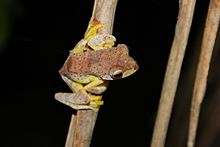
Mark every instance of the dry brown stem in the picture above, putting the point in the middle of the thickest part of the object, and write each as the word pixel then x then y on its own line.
pixel 70 135
pixel 186 10
pixel 209 36
pixel 82 125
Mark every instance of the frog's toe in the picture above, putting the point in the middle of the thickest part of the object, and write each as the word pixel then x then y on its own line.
pixel 95 101
pixel 95 98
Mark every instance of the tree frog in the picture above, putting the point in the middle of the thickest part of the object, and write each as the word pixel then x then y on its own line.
pixel 89 67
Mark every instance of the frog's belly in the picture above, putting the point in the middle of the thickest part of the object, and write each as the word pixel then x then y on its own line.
pixel 83 79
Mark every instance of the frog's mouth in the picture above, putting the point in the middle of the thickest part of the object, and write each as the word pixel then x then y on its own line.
pixel 119 74
pixel 129 72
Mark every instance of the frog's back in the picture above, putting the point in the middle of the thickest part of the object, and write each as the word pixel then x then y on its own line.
pixel 76 64
pixel 98 63
pixel 89 63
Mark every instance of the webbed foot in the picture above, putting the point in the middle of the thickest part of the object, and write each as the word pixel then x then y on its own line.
pixel 78 103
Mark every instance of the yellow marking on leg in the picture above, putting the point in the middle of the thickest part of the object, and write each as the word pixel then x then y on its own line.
pixel 90 32
pixel 95 102
pixel 98 103
pixel 96 98
pixel 101 41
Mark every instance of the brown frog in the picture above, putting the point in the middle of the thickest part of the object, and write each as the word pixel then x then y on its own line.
pixel 90 71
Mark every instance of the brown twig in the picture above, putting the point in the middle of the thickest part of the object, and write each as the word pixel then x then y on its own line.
pixel 186 10
pixel 70 135
pixel 209 36
pixel 82 125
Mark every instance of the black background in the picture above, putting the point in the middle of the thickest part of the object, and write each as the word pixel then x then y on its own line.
pixel 41 33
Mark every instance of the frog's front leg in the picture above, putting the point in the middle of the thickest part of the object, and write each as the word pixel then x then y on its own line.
pixel 80 99
pixel 96 86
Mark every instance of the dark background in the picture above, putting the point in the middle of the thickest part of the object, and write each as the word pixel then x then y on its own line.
pixel 36 37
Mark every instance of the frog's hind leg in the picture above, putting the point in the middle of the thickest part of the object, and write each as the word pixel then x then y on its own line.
pixel 92 29
pixel 96 40
pixel 72 100
pixel 79 99
pixel 79 95
pixel 102 41
pixel 74 86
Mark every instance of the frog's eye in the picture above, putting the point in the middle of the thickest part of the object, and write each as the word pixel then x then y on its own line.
pixel 117 74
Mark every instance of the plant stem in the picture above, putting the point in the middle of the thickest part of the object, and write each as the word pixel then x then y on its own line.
pixel 82 125
pixel 70 135
pixel 186 10
pixel 209 36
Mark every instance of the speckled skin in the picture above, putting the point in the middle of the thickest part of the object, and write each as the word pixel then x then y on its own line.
pixel 99 63
pixel 90 66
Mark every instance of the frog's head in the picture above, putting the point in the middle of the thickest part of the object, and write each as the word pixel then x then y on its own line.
pixel 123 65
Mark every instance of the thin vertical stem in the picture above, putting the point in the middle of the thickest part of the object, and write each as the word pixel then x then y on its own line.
pixel 70 135
pixel 84 121
pixel 186 10
pixel 209 36
pixel 84 126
